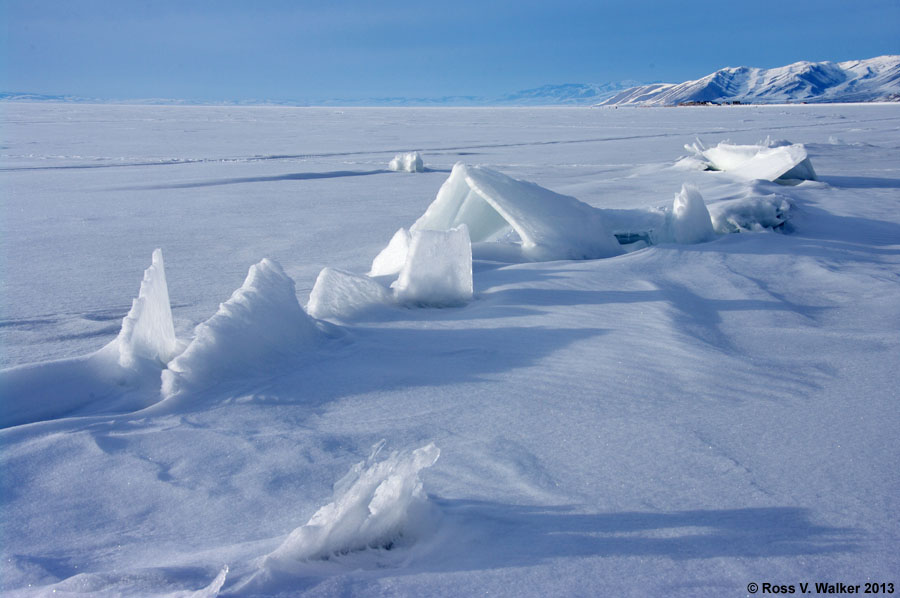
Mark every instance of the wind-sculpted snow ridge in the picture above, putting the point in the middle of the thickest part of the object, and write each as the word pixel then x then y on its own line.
pixel 379 505
pixel 119 377
pixel 260 324
pixel 408 162
pixel 769 160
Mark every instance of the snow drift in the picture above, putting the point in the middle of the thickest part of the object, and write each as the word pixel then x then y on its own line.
pixel 769 160
pixel 261 323
pixel 408 162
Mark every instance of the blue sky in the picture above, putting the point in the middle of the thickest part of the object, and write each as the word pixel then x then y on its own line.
pixel 298 50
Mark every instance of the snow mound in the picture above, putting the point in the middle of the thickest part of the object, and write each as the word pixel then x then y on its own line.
pixel 769 160
pixel 526 221
pixel 408 162
pixel 438 269
pixel 340 295
pixel 391 259
pixel 689 220
pixel 377 504
pixel 262 322
pixel 148 331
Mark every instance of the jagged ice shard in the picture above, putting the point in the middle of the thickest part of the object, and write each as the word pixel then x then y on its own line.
pixel 375 504
pixel 513 220
pixel 689 220
pixel 148 331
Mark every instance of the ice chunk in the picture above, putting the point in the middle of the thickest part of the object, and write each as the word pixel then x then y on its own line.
pixel 690 221
pixel 438 268
pixel 339 295
pixel 409 162
pixel 391 259
pixel 751 213
pixel 535 223
pixel 148 331
pixel 769 160
pixel 376 505
pixel 262 322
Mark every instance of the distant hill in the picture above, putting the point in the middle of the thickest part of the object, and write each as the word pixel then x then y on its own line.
pixel 872 80
pixel 569 94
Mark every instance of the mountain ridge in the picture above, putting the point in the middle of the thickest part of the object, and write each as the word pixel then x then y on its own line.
pixel 871 80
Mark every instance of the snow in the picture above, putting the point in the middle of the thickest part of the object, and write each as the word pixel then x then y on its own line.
pixel 670 420
pixel 438 269
pixel 871 80
pixel 407 162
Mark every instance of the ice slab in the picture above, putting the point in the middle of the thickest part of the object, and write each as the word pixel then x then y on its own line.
pixel 260 324
pixel 769 160
pixel 148 331
pixel 531 223
pixel 408 162
pixel 340 295
pixel 438 269
pixel 391 259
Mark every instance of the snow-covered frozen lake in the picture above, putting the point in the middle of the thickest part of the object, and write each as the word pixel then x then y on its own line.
pixel 678 420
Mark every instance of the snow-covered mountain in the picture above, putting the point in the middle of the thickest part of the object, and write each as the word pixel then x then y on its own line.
pixel 872 80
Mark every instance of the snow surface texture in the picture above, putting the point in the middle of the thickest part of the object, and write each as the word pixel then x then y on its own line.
pixel 261 324
pixel 408 162
pixel 677 420
pixel 874 79
pixel 377 505
pixel 769 160
pixel 438 269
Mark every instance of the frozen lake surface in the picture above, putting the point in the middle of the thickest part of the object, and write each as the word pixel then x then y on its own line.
pixel 678 420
